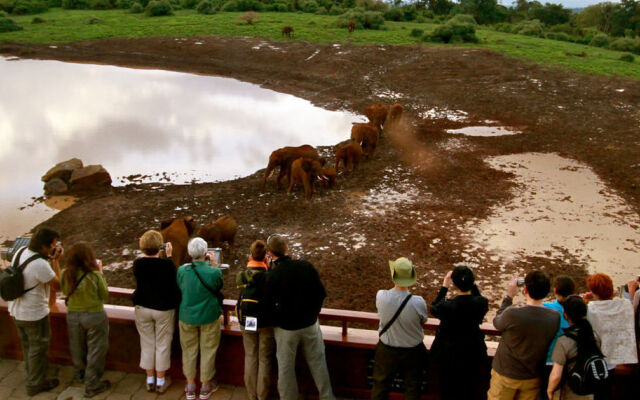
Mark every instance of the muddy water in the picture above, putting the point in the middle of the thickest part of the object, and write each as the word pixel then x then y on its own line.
pixel 561 208
pixel 485 131
pixel 146 122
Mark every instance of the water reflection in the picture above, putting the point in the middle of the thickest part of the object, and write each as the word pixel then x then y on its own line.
pixel 140 121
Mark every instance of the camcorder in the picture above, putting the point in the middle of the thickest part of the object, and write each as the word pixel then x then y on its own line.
pixel 520 282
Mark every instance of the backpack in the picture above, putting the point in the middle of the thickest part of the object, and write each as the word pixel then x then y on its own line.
pixel 590 372
pixel 249 301
pixel 12 279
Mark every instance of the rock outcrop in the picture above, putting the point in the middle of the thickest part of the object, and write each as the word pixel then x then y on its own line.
pixel 62 170
pixel 72 176
pixel 55 187
pixel 89 177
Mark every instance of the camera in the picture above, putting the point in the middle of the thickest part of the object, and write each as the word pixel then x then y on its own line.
pixel 163 246
pixel 520 282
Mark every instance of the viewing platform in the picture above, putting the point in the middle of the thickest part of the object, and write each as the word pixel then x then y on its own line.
pixel 350 338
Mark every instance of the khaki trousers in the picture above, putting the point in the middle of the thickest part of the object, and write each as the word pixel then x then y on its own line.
pixel 259 349
pixel 156 333
pixel 206 338
pixel 503 388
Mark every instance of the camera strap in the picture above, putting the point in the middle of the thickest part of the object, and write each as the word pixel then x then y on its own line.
pixel 66 299
pixel 395 316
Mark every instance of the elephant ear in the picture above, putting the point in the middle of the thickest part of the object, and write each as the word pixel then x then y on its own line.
pixel 166 222
pixel 306 164
pixel 190 224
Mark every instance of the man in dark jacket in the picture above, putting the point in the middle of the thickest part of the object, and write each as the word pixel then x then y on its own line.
pixel 295 293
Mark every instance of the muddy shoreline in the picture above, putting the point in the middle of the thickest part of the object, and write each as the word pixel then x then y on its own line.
pixel 350 233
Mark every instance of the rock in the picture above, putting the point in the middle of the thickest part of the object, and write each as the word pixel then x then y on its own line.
pixel 55 186
pixel 90 177
pixel 62 170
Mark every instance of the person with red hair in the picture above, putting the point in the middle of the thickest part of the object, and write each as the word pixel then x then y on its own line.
pixel 612 322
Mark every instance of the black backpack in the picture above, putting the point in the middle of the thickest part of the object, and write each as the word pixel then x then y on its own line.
pixel 12 279
pixel 249 302
pixel 590 372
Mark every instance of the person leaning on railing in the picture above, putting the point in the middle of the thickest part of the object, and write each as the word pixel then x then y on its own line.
pixel 86 289
pixel 634 296
pixel 612 321
pixel 30 311
pixel 155 299
pixel 200 310
pixel 459 350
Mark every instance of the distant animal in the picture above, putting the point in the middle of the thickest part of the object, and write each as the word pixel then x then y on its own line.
pixel 305 170
pixel 224 229
pixel 351 25
pixel 395 113
pixel 287 31
pixel 330 176
pixel 178 231
pixel 377 114
pixel 349 154
pixel 283 158
pixel 360 130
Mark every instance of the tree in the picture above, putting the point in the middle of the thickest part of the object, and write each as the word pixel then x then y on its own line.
pixel 484 11
pixel 440 7
pixel 552 14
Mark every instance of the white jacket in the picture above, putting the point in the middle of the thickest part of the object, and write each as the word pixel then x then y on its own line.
pixel 612 321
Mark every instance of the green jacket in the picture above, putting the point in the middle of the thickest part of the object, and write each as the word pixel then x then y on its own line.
pixel 90 295
pixel 199 306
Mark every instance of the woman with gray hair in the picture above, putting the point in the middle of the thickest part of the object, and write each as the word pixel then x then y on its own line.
pixel 199 323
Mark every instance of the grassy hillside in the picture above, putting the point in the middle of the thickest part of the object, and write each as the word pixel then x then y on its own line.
pixel 63 26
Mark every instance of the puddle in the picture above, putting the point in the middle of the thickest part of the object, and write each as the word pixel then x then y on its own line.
pixel 485 131
pixel 60 202
pixel 444 113
pixel 151 123
pixel 560 207
pixel 384 199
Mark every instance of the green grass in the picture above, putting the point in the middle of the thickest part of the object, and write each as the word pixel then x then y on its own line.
pixel 63 26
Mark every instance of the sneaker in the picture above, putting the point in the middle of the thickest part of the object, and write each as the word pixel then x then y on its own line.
pixel 151 387
pixel 163 388
pixel 207 390
pixel 43 387
pixel 190 392
pixel 104 386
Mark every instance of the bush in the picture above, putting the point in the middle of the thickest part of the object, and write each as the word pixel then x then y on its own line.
pixel 600 40
pixel 363 19
pixel 627 58
pixel 94 21
pixel 8 25
pixel 124 4
pixel 529 28
pixel 250 5
pixel 76 4
pixel 158 8
pixel 336 10
pixel 309 6
pixel 136 8
pixel 394 14
pixel 373 5
pixel 230 6
pixel 3 14
pixel 54 3
pixel 38 20
pixel 415 32
pixel 24 7
pixel 205 7
pixel 453 32
pixel 250 17
pixel 626 44
pixel 558 36
pixel 100 5
pixel 463 19
pixel 189 3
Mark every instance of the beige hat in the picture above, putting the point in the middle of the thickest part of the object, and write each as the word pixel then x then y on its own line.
pixel 402 272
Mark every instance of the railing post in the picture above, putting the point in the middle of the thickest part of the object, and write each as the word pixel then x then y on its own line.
pixel 344 328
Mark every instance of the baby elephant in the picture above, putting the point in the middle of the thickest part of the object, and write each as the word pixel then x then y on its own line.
pixel 287 31
pixel 306 171
pixel 349 154
pixel 222 230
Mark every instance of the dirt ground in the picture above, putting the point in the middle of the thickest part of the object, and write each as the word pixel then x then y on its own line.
pixel 416 194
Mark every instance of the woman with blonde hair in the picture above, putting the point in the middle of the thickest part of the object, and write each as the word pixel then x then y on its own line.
pixel 155 299
pixel 86 290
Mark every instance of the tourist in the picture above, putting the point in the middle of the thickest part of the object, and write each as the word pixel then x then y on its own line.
pixel 400 346
pixel 634 297
pixel 295 294
pixel 30 312
pixel 527 332
pixel 155 299
pixel 86 289
pixel 612 321
pixel 200 310
pixel 459 349
pixel 256 324
pixel 563 287
pixel 579 335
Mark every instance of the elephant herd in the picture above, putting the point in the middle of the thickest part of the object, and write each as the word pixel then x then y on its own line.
pixel 304 165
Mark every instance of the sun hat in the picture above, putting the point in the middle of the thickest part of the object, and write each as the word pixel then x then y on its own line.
pixel 402 272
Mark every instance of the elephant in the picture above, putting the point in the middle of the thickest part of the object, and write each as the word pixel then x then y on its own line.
pixel 287 31
pixel 395 113
pixel 284 157
pixel 369 142
pixel 222 230
pixel 350 154
pixel 360 130
pixel 306 171
pixel 331 176
pixel 377 114
pixel 177 231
